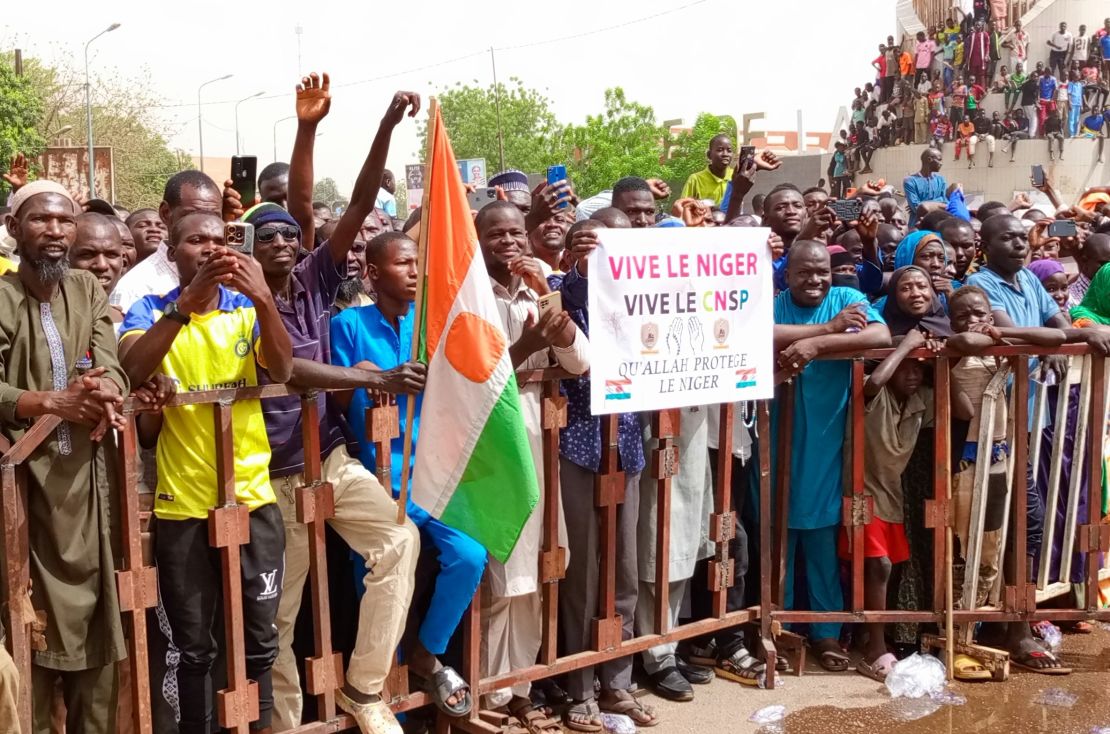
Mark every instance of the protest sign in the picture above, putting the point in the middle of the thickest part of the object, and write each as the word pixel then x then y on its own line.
pixel 680 317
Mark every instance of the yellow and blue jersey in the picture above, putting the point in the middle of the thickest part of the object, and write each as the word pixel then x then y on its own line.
pixel 216 350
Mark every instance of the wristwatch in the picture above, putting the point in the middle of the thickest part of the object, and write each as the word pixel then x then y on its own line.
pixel 172 313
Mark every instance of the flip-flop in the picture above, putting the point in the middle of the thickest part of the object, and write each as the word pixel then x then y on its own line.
pixel 830 656
pixel 630 706
pixel 1021 661
pixel 879 669
pixel 967 668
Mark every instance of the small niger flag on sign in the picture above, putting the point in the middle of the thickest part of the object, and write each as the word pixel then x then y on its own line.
pixel 474 468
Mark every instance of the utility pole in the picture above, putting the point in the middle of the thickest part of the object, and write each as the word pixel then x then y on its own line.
pixel 497 104
pixel 299 31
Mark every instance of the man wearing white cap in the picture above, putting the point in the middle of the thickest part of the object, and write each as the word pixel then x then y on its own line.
pixel 58 357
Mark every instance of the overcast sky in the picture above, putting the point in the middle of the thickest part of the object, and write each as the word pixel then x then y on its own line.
pixel 679 56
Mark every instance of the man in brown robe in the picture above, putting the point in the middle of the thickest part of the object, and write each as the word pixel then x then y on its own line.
pixel 58 357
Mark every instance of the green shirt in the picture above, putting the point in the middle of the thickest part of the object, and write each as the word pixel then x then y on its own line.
pixel 707 185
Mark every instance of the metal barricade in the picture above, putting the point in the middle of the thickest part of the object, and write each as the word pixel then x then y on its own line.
pixel 237 704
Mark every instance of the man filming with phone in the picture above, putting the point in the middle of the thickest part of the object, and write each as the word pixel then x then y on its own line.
pixel 364 514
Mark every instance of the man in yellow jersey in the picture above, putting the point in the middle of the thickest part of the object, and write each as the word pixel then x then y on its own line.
pixel 205 336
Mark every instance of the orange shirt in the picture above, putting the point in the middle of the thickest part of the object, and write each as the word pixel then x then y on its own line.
pixel 905 63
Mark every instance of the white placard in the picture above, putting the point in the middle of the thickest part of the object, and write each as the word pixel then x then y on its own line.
pixel 680 317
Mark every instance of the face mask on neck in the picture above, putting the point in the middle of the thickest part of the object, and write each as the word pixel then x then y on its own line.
pixel 845 281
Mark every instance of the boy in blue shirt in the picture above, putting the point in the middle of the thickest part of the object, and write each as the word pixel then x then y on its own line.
pixel 380 336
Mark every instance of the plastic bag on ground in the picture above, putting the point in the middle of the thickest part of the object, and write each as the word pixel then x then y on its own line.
pixel 769 714
pixel 1051 635
pixel 1056 697
pixel 948 697
pixel 618 724
pixel 1101 730
pixel 916 676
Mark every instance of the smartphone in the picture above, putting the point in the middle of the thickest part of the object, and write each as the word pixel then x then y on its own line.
pixel 551 302
pixel 239 236
pixel 480 197
pixel 1037 174
pixel 244 173
pixel 746 151
pixel 555 174
pixel 1062 228
pixel 846 210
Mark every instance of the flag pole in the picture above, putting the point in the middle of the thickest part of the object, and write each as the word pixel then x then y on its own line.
pixel 418 312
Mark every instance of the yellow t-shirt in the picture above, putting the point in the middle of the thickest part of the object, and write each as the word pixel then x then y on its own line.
pixel 706 185
pixel 216 350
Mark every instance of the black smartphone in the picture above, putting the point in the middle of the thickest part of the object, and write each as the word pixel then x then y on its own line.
pixel 1062 228
pixel 1037 174
pixel 746 151
pixel 244 173
pixel 846 210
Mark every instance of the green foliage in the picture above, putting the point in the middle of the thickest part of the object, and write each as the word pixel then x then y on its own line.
pixel 687 152
pixel 122 118
pixel 470 114
pixel 20 112
pixel 624 140
pixel 326 190
pixel 401 194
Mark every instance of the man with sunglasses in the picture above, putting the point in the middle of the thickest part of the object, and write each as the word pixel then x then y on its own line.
pixel 364 513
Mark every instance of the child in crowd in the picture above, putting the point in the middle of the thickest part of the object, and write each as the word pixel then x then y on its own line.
pixel 898 406
pixel 965 132
pixel 1052 276
pixel 939 129
pixel 974 330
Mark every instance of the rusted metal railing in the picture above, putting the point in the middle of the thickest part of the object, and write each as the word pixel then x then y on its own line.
pixel 238 703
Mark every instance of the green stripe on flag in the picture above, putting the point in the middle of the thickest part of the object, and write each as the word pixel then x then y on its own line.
pixel 498 490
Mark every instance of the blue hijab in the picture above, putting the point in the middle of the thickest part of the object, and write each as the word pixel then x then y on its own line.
pixel 910 245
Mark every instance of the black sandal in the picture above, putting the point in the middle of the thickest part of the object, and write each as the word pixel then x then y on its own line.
pixel 446 682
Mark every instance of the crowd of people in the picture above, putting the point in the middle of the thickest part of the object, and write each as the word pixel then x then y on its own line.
pixel 103 303
pixel 933 88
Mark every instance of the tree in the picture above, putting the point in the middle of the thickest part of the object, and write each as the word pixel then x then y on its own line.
pixel 401 194
pixel 122 118
pixel 624 140
pixel 530 129
pixel 20 111
pixel 326 190
pixel 687 151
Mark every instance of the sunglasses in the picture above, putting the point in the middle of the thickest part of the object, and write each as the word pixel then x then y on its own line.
pixel 288 233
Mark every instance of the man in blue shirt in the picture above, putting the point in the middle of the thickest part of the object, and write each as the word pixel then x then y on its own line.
pixel 380 336
pixel 927 184
pixel 813 317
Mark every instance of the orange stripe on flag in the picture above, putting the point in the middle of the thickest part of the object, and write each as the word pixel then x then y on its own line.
pixel 453 241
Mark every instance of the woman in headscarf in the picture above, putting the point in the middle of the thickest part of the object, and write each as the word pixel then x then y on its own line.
pixel 1053 278
pixel 912 303
pixel 925 249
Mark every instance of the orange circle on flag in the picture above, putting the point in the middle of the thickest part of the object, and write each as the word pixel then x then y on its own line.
pixel 474 346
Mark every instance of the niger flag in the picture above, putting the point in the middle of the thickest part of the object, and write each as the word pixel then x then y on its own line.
pixel 474 468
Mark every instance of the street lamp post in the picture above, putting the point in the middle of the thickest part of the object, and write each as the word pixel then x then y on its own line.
pixel 88 109
pixel 244 99
pixel 200 116
pixel 291 117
